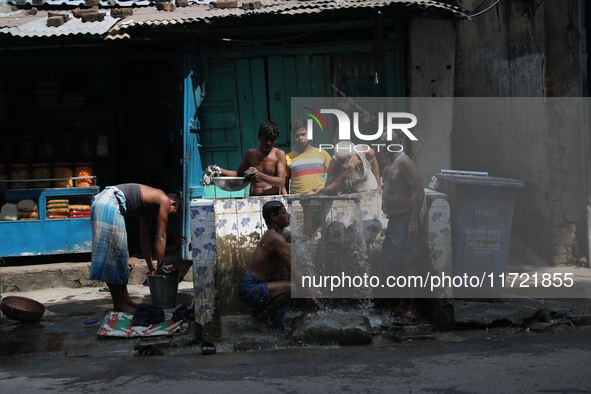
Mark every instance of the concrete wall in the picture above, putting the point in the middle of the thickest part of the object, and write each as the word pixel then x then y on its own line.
pixel 431 66
pixel 225 233
pixel 518 49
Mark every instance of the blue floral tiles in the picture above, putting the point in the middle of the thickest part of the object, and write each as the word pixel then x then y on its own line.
pixel 242 218
pixel 203 242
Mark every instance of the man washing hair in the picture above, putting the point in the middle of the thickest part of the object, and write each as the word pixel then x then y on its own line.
pixel 353 169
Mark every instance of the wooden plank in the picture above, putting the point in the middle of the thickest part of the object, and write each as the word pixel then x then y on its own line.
pixel 317 76
pixel 221 89
pixel 248 130
pixel 318 85
pixel 220 146
pixel 390 77
pixel 213 94
pixel 366 46
pixel 259 100
pixel 290 85
pixel 303 75
pixel 308 27
pixel 400 72
pixel 278 101
pixel 229 133
pixel 328 137
pixel 220 120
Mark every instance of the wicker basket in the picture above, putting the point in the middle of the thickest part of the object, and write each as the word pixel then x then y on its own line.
pixel 22 308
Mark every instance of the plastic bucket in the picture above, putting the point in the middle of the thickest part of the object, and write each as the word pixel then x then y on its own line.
pixel 163 289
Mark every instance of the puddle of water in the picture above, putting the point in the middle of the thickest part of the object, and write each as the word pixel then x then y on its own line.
pixel 42 343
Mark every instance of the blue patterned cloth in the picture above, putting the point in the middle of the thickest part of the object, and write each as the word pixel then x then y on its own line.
pixel 399 251
pixel 110 254
pixel 253 292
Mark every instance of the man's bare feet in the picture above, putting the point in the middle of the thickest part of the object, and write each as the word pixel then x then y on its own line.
pixel 261 323
pixel 412 314
pixel 126 309
pixel 133 304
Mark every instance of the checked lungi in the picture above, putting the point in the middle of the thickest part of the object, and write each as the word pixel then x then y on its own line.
pixel 399 251
pixel 110 253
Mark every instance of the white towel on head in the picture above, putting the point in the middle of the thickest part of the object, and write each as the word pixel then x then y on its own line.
pixel 344 149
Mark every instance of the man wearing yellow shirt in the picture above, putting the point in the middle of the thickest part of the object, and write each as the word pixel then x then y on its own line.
pixel 306 165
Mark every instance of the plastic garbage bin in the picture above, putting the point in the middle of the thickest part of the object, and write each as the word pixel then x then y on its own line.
pixel 481 209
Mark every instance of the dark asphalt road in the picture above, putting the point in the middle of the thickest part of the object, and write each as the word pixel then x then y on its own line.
pixel 548 363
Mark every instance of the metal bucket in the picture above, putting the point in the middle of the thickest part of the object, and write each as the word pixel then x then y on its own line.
pixel 163 289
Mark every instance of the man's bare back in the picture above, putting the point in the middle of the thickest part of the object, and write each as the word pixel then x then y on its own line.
pixel 398 192
pixel 271 254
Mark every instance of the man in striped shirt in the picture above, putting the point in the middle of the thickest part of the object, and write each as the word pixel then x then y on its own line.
pixel 306 164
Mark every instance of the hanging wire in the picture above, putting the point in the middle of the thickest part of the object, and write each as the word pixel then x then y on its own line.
pixel 475 9
pixel 572 35
pixel 483 11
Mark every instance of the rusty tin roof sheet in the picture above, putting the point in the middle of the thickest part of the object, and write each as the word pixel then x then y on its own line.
pixel 208 13
pixel 21 25
pixel 36 26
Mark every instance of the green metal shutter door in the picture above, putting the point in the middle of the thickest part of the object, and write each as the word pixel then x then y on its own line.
pixel 242 93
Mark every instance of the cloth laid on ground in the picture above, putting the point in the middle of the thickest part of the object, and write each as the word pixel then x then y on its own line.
pixel 147 314
pixel 210 172
pixel 118 325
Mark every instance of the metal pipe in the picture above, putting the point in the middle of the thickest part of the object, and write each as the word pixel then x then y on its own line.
pixel 585 128
pixel 353 197
pixel 467 173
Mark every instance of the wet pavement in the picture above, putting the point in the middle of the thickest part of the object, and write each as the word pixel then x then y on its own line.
pixel 59 354
pixel 471 362
pixel 62 332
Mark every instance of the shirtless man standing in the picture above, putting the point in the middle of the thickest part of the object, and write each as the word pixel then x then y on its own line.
pixel 266 162
pixel 402 200
pixel 260 287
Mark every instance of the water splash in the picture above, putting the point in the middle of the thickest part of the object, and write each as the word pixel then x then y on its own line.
pixel 337 247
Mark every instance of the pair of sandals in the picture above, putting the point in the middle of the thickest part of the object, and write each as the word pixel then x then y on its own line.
pixel 207 348
pixel 149 350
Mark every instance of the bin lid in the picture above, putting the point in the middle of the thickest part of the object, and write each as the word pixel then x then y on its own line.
pixel 481 180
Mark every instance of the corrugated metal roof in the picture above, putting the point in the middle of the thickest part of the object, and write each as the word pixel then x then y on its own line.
pixel 199 13
pixel 102 3
pixel 36 26
pixel 21 25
